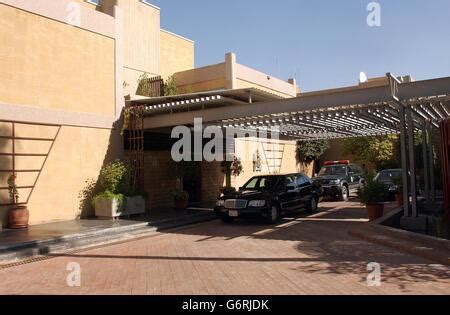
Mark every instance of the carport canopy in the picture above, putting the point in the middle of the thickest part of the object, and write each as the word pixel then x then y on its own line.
pixel 328 114
pixel 395 108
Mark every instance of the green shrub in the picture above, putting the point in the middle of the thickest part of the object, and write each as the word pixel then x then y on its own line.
pixel 112 181
pixel 308 151
pixel 113 177
pixel 373 191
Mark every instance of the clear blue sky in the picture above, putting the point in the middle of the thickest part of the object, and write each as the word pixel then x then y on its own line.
pixel 322 43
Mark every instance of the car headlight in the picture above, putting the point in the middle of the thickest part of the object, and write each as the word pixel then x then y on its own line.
pixel 220 203
pixel 257 203
pixel 335 181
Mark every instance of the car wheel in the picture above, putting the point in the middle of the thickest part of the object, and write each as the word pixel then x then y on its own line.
pixel 344 193
pixel 226 219
pixel 312 205
pixel 274 215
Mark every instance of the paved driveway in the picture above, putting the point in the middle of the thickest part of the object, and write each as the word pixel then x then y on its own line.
pixel 301 255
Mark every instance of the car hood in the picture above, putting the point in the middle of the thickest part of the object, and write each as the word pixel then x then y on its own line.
pixel 246 194
pixel 327 177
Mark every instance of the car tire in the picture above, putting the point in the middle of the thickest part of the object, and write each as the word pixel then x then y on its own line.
pixel 274 215
pixel 312 205
pixel 344 193
pixel 226 219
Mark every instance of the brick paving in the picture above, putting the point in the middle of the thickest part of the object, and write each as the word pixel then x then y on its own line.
pixel 301 255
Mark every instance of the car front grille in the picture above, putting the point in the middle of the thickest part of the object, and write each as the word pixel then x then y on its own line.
pixel 235 204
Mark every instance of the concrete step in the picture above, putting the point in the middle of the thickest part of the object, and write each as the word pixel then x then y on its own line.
pixel 16 252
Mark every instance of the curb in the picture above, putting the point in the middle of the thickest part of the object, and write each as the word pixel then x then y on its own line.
pixel 400 239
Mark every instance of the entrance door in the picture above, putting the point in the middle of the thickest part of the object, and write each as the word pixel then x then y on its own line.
pixel 192 183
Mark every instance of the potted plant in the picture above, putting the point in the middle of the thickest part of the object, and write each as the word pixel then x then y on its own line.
pixel 134 203
pixel 180 199
pixel 398 185
pixel 373 194
pixel 18 214
pixel 109 202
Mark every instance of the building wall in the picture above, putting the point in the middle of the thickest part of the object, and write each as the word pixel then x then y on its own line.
pixel 159 179
pixel 247 77
pixel 50 64
pixel 64 173
pixel 270 154
pixel 213 179
pixel 140 42
pixel 232 75
pixel 202 79
pixel 56 73
pixel 176 54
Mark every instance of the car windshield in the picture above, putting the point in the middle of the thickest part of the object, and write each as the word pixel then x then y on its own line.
pixel 261 183
pixel 333 170
pixel 388 176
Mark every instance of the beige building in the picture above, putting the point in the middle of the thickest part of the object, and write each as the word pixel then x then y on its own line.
pixel 66 67
pixel 232 75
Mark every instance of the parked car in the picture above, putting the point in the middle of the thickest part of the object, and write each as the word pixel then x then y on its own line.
pixel 388 178
pixel 339 179
pixel 270 197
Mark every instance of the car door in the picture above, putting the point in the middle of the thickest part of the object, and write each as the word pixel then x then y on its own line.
pixel 351 180
pixel 288 195
pixel 355 177
pixel 305 189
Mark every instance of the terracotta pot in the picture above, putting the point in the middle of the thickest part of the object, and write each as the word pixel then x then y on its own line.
pixel 399 199
pixel 18 217
pixel 180 204
pixel 375 211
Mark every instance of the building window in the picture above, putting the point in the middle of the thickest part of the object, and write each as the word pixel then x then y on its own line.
pixel 95 2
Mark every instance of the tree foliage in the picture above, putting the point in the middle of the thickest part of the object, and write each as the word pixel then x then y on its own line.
pixel 170 87
pixel 379 150
pixel 308 151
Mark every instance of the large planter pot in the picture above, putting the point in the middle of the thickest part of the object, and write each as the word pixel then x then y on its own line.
pixel 108 208
pixel 18 217
pixel 134 205
pixel 180 204
pixel 375 211
pixel 399 199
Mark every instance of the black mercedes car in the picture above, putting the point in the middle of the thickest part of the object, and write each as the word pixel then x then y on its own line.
pixel 339 179
pixel 269 196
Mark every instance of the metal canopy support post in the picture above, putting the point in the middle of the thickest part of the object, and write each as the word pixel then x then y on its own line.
pixel 412 162
pixel 425 161
pixel 431 162
pixel 404 160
